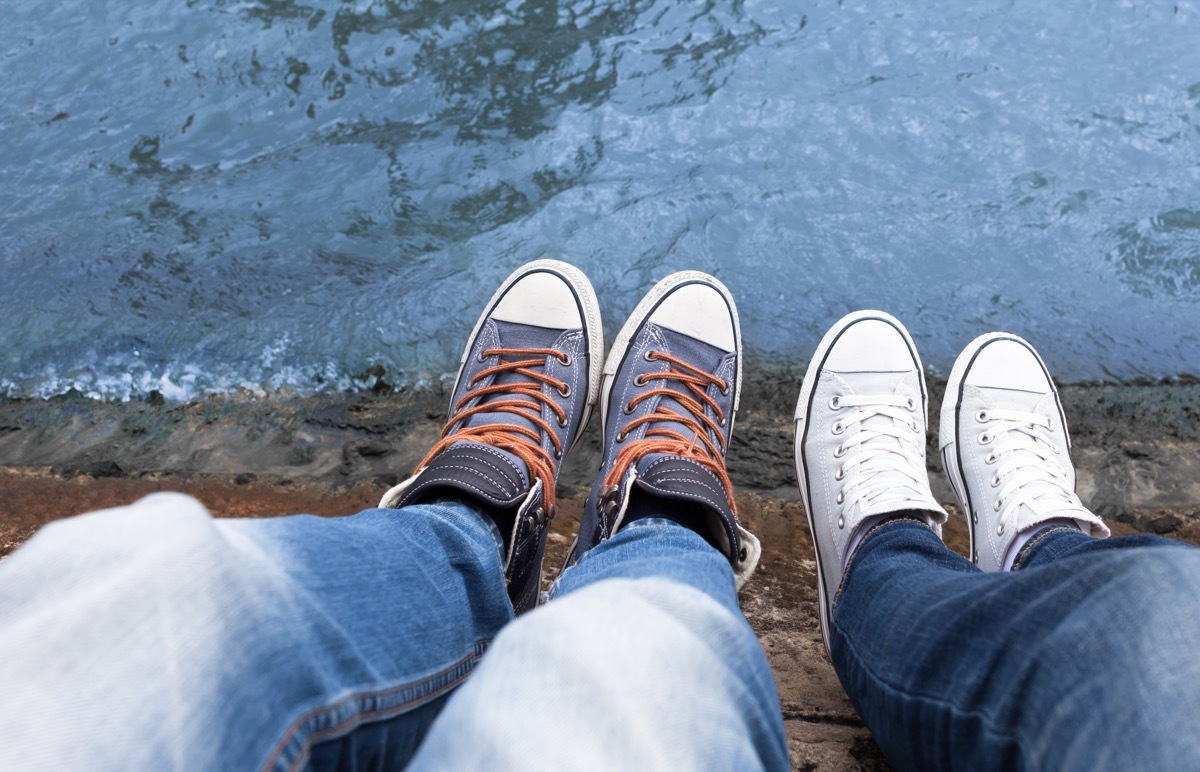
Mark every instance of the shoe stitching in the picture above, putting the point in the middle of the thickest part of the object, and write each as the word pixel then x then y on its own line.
pixel 425 483
pixel 492 451
pixel 690 482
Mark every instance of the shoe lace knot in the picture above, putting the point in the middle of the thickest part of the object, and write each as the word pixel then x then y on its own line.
pixel 1029 469
pixel 521 394
pixel 688 432
pixel 889 460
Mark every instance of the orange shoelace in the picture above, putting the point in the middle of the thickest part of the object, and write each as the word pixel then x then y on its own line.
pixel 522 441
pixel 698 447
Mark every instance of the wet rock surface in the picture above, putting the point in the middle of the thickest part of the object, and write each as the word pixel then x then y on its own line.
pixel 1137 448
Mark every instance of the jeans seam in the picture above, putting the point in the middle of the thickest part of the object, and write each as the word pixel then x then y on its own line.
pixel 1025 550
pixel 850 563
pixel 426 689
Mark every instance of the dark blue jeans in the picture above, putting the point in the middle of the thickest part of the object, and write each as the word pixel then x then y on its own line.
pixel 1086 657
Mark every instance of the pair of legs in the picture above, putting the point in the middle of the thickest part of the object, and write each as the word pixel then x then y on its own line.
pixel 1052 647
pixel 154 636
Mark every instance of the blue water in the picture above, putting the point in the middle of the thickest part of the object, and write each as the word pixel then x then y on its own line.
pixel 208 196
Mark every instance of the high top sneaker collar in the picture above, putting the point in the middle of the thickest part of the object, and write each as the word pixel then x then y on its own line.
pixel 669 396
pixel 528 380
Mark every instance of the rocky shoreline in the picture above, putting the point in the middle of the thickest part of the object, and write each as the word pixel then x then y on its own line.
pixel 1137 447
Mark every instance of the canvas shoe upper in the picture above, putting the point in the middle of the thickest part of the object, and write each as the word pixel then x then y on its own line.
pixel 528 380
pixel 1006 449
pixel 668 398
pixel 860 440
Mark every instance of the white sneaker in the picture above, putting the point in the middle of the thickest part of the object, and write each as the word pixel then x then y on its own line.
pixel 1006 449
pixel 860 440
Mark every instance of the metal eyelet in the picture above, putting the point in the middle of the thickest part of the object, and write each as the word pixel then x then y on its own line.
pixel 743 553
pixel 839 451
pixel 914 425
pixel 621 436
pixel 998 503
pixel 841 521
pixel 835 402
pixel 483 356
pixel 1000 530
pixel 565 360
pixel 981 416
pixel 539 515
pixel 990 459
pixel 562 422
pixel 724 389
pixel 840 497
pixel 995 480
pixel 639 380
pixel 649 356
pixel 1050 422
pixel 912 404
pixel 975 518
pixel 837 427
pixel 985 438
pixel 840 473
pixel 565 390
pixel 628 408
pixel 558 452
pixel 722 422
pixel 1057 450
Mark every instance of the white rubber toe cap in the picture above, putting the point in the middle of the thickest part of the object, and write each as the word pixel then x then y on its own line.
pixel 871 345
pixel 698 311
pixel 1005 363
pixel 540 299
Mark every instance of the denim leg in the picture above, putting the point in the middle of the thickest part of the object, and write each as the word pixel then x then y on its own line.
pixel 154 637
pixel 642 661
pixel 1083 661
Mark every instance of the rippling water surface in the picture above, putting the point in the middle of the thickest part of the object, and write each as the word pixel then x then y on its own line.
pixel 206 196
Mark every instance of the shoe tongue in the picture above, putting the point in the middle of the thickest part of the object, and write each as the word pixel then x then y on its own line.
pixel 895 486
pixel 696 353
pixel 869 384
pixel 512 335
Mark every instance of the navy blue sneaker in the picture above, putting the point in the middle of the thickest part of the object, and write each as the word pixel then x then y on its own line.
pixel 668 397
pixel 525 390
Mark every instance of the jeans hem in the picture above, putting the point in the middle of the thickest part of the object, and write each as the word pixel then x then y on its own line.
pixel 862 541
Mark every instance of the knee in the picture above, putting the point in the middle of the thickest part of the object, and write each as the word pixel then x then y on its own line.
pixel 1160 591
pixel 161 528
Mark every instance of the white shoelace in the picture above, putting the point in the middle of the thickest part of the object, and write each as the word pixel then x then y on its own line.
pixel 1029 469
pixel 888 473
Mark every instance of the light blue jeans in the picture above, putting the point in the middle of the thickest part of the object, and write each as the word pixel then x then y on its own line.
pixel 154 637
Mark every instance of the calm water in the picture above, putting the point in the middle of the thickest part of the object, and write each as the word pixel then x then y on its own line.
pixel 205 196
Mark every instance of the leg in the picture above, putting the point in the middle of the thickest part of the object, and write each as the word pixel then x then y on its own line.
pixel 643 660
pixel 237 644
pixel 1085 662
pixel 153 636
pixel 1082 658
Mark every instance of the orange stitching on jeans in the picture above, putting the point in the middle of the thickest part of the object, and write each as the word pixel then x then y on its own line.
pixel 295 726
pixel 1025 550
